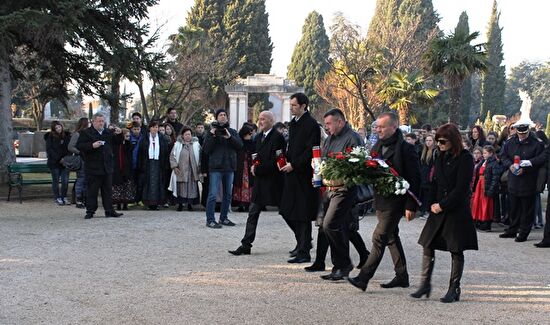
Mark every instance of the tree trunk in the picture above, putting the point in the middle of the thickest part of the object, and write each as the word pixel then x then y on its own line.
pixel 144 112
pixel 38 113
pixel 403 115
pixel 454 107
pixel 7 153
pixel 114 100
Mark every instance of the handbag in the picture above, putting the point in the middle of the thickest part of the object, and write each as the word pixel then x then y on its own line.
pixel 72 162
pixel 364 193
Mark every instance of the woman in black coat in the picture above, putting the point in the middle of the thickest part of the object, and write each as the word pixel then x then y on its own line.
pixel 124 189
pixel 153 157
pixel 450 226
pixel 57 141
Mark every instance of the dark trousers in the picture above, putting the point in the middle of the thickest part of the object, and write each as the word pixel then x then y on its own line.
pixel 336 225
pixel 302 233
pixel 93 184
pixel 323 245
pixel 386 233
pixel 522 214
pixel 546 237
pixel 251 224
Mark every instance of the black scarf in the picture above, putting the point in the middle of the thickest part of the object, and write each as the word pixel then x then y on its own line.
pixel 392 152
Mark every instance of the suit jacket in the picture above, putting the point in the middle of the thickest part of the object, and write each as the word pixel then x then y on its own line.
pixel 268 186
pixel 98 161
pixel 300 199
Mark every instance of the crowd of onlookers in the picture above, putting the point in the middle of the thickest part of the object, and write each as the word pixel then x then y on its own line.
pixel 161 165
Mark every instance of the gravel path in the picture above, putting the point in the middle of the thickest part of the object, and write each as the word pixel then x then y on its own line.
pixel 167 268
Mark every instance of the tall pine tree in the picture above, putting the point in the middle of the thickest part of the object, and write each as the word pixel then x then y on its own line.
pixel 466 102
pixel 309 59
pixel 494 80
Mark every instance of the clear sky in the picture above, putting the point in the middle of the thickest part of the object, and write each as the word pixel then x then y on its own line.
pixel 525 22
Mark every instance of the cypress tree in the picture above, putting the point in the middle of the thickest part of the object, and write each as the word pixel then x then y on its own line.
pixel 309 59
pixel 247 45
pixel 410 9
pixel 494 80
pixel 385 14
pixel 466 101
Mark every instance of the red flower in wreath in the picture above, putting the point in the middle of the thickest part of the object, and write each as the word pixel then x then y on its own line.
pixel 371 164
pixel 340 156
pixel 374 153
pixel 348 149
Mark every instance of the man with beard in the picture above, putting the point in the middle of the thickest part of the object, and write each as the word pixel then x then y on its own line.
pixel 300 199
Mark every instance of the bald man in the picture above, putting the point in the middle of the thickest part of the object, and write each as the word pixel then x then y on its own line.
pixel 268 181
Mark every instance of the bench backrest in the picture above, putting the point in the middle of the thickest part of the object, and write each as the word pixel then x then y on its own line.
pixel 28 168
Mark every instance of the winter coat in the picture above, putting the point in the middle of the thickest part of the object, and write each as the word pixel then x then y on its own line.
pixel 268 182
pixel 122 162
pixel 300 199
pixel 492 173
pixel 56 149
pixel 452 229
pixel 97 161
pixel 222 152
pixel 526 183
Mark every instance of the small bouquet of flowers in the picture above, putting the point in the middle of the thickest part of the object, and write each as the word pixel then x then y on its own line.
pixel 355 166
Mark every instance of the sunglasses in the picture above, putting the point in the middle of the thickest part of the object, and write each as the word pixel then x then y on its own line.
pixel 441 141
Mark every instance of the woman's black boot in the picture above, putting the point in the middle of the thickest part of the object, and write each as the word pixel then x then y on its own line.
pixel 425 286
pixel 453 294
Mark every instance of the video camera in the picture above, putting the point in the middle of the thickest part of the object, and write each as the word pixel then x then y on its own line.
pixel 219 129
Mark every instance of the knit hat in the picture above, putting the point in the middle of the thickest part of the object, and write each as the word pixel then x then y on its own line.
pixel 218 111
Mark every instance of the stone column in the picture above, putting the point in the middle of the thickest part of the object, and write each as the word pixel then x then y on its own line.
pixel 238 109
pixel 233 107
pixel 243 110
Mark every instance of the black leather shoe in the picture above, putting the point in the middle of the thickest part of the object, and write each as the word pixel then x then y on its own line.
pixel 293 252
pixel 297 260
pixel 89 216
pixel 113 214
pixel 358 283
pixel 315 267
pixel 338 274
pixel 507 235
pixel 520 238
pixel 542 244
pixel 396 282
pixel 241 250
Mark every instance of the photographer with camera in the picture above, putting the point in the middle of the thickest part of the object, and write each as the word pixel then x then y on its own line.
pixel 221 145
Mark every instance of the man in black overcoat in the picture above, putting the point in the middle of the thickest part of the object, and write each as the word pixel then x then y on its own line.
pixel 400 155
pixel 96 146
pixel 544 159
pixel 300 199
pixel 268 180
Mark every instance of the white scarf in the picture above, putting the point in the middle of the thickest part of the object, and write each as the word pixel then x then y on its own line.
pixel 154 151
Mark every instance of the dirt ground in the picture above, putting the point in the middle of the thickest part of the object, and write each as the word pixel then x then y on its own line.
pixel 168 268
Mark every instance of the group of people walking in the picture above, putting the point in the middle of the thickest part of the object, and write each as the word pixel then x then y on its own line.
pixel 260 166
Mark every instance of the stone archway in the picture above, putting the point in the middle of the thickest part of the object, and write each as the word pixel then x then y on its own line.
pixel 278 88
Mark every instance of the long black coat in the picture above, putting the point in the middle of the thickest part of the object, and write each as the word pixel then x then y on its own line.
pixel 300 199
pixel 453 229
pixel 122 169
pixel 98 161
pixel 56 148
pixel 268 186
pixel 143 156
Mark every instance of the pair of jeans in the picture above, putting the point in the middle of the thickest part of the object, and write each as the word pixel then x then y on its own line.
pixel 215 178
pixel 60 174
pixel 80 184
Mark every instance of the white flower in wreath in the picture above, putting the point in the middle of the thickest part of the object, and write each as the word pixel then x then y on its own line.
pixel 353 160
pixel 397 185
pixel 358 151
pixel 406 185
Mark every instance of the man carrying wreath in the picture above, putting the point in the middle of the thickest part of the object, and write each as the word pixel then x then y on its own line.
pixel 402 158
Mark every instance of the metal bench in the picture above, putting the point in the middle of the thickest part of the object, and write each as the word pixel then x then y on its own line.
pixel 17 170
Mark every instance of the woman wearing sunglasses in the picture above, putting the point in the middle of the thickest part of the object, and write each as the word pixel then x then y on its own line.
pixel 450 226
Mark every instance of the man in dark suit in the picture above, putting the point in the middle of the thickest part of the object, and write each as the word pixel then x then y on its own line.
pixel 300 199
pixel 95 145
pixel 268 181
pixel 400 155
